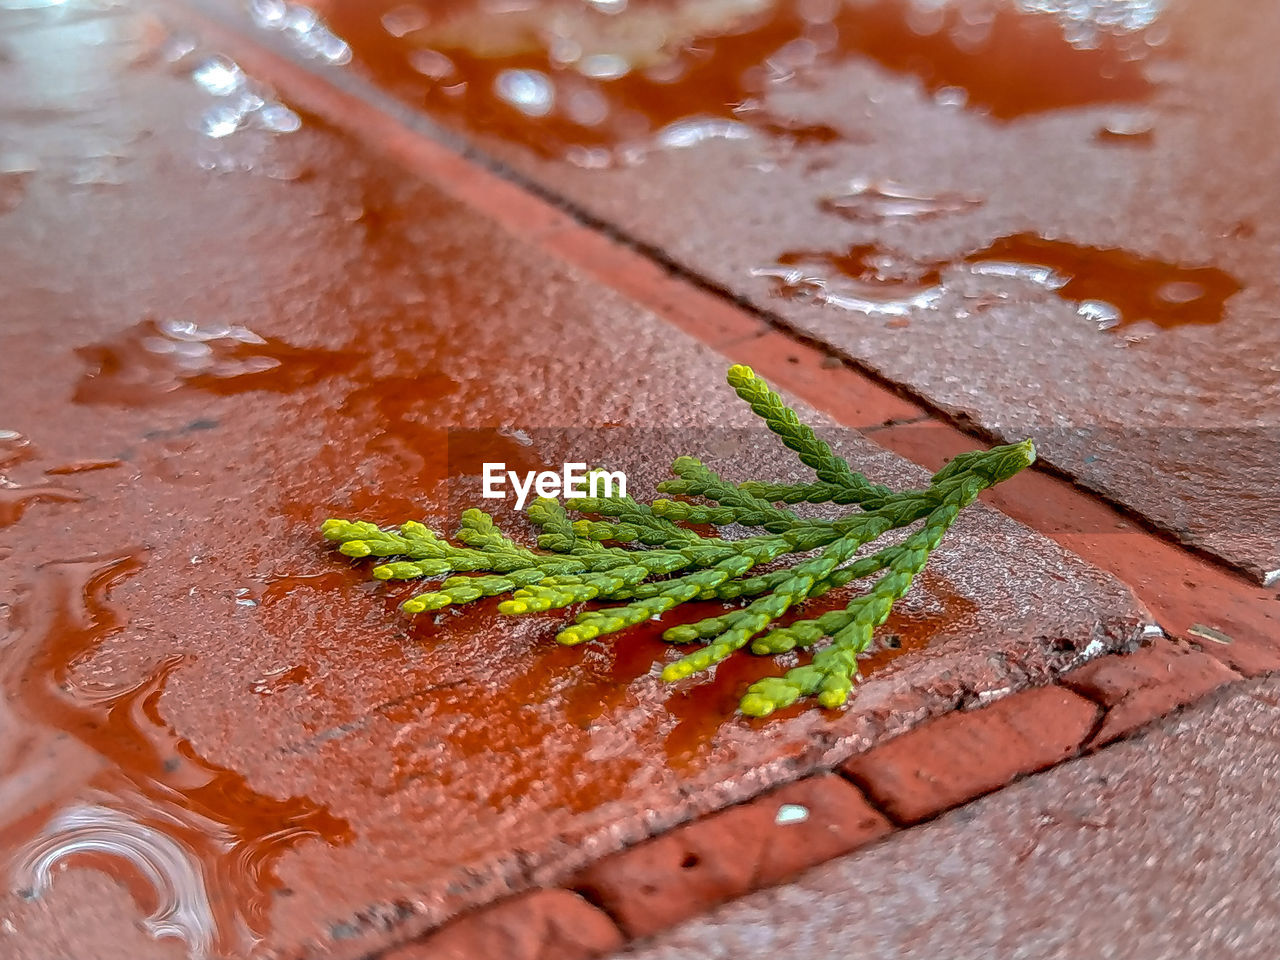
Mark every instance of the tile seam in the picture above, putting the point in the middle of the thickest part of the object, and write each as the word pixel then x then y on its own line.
pixel 1086 748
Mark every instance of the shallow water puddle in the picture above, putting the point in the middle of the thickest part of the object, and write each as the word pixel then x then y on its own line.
pixel 1110 287
pixel 15 497
pixel 92 775
pixel 601 83
pixel 1123 287
pixel 152 358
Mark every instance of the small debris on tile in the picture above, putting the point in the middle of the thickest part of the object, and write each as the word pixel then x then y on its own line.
pixel 790 813
pixel 1202 632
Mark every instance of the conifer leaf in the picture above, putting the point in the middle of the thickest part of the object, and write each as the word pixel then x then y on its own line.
pixel 664 564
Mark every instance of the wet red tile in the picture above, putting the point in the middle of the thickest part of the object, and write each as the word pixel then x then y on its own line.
pixel 966 754
pixel 210 708
pixel 1143 686
pixel 105 926
pixel 543 925
pixel 686 871
pixel 1106 162
pixel 1159 846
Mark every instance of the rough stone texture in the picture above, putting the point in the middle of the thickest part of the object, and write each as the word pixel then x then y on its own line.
pixel 966 754
pixel 207 363
pixel 657 884
pixel 542 925
pixel 1137 688
pixel 1159 848
pixel 1180 424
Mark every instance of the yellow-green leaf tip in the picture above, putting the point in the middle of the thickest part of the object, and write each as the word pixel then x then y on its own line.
pixel 754 705
pixel 677 671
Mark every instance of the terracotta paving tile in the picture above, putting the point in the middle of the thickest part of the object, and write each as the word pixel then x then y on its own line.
pixel 1140 687
pixel 1186 591
pixel 926 176
pixel 686 871
pixel 968 753
pixel 542 925
pixel 1158 847
pixel 247 333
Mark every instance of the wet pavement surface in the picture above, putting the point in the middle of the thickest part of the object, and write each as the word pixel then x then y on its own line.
pixel 1045 219
pixel 218 737
pixel 1161 847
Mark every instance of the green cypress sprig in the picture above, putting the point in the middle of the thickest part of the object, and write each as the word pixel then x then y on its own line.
pixel 582 560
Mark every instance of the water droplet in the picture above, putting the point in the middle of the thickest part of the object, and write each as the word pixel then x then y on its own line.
pixel 1105 315
pixel 589 158
pixel 1041 276
pixel 404 20
pixel 604 66
pixel 268 13
pixel 306 31
pixel 276 680
pixel 431 63
pixel 1180 291
pixel 221 121
pixel 529 91
pixel 586 107
pixel 797 283
pixel 691 132
pixel 278 118
pixel 790 813
pixel 219 76
pixel 887 200
pixel 178 48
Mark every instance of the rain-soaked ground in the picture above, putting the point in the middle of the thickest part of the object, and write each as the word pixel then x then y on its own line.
pixel 889 176
pixel 229 315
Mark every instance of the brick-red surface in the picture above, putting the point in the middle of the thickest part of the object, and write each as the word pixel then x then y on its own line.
pixel 1159 847
pixel 245 350
pixel 1178 423
pixel 1182 588
pixel 690 869
pixel 542 925
pixel 969 753
pixel 1142 686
